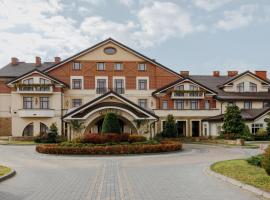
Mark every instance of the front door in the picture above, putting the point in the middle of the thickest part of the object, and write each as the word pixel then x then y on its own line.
pixel 195 128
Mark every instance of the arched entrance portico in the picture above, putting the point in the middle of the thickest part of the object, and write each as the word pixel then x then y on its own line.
pixel 127 112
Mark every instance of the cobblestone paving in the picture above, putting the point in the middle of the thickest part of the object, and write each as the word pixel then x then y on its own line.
pixel 151 177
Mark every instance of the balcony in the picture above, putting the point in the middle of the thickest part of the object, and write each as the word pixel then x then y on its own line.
pixel 187 94
pixel 36 113
pixel 119 90
pixel 34 88
pixel 101 90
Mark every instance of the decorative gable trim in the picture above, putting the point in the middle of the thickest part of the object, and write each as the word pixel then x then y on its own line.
pixel 173 84
pixel 118 44
pixel 228 83
pixel 10 83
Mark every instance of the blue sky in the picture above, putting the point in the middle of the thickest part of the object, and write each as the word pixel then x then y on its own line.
pixel 195 35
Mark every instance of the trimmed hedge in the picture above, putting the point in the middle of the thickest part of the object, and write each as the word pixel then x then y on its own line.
pixel 110 149
pixel 95 138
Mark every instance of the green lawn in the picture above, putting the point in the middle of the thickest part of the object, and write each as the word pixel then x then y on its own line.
pixel 244 172
pixel 4 170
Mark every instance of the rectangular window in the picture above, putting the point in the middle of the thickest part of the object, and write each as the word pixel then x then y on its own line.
pixel 252 87
pixel 240 87
pixel 101 86
pixel 142 103
pixel 76 84
pixel 248 105
pixel 27 102
pixel 193 88
pixel 193 104
pixel 207 104
pixel 119 86
pixel 179 90
pixel 179 104
pixel 165 104
pixel 231 103
pixel 118 66
pixel 28 81
pixel 255 128
pixel 100 66
pixel 44 102
pixel 77 66
pixel 142 84
pixel 142 67
pixel 43 81
pixel 76 102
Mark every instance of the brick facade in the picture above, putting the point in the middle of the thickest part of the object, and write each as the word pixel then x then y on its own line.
pixel 5 126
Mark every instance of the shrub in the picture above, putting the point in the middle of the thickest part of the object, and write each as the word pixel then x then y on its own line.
pixel 96 138
pixel 136 138
pixel 246 135
pixel 261 134
pixel 266 160
pixel 110 124
pixel 255 160
pixel 50 137
pixel 233 123
pixel 170 129
pixel 268 126
pixel 108 150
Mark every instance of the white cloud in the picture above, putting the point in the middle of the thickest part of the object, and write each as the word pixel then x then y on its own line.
pixel 128 3
pixel 210 5
pixel 163 20
pixel 237 18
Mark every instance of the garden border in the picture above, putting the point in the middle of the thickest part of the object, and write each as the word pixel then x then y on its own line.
pixel 8 175
pixel 237 183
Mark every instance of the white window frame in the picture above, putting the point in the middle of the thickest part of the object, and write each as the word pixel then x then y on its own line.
pixel 167 105
pixel 120 68
pixel 72 101
pixel 73 66
pixel 101 77
pixel 146 103
pixel 76 77
pixel 119 77
pixel 250 104
pixel 142 78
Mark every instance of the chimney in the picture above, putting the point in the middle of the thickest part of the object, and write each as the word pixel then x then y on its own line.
pixel 232 73
pixel 38 61
pixel 184 73
pixel 261 74
pixel 57 59
pixel 14 61
pixel 216 73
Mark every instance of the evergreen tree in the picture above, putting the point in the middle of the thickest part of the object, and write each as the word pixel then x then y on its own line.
pixel 52 134
pixel 110 124
pixel 234 125
pixel 170 129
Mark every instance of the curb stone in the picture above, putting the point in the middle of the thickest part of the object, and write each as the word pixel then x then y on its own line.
pixel 7 176
pixel 237 183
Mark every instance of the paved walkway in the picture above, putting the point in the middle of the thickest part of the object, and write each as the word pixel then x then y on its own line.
pixel 151 177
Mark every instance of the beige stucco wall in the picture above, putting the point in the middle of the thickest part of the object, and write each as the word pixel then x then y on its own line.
pixel 240 104
pixel 121 54
pixel 247 78
pixel 5 105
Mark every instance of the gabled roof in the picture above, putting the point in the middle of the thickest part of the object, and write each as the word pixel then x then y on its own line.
pixel 162 89
pixel 118 44
pixel 39 72
pixel 95 104
pixel 247 114
pixel 243 74
pixel 21 68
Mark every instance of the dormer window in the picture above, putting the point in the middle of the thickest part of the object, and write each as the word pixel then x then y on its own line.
pixel 240 87
pixel 252 87
pixel 28 81
pixel 179 90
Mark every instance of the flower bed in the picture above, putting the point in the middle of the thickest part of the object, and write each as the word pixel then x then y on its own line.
pixel 135 148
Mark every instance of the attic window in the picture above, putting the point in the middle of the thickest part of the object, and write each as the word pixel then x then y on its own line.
pixel 110 50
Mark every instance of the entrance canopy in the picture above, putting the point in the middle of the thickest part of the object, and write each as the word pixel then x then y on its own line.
pixel 110 101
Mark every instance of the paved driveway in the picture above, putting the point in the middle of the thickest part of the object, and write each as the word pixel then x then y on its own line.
pixel 165 177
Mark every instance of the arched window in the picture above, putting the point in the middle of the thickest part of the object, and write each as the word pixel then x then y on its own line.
pixel 28 81
pixel 28 130
pixel 252 87
pixel 43 128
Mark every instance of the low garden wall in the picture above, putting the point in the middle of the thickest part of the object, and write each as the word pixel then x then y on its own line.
pixel 109 149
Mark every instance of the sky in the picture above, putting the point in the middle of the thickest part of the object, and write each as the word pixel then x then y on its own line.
pixel 195 35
